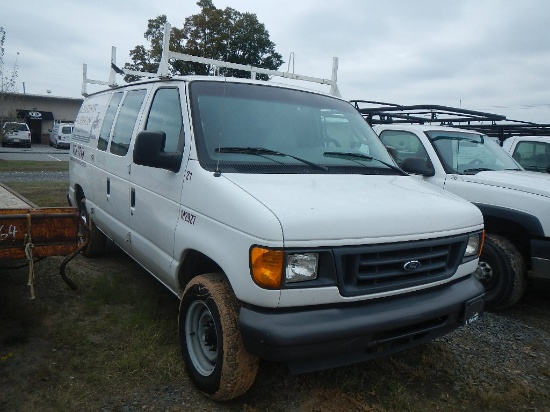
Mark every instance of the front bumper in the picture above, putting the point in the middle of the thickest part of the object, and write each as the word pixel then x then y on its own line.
pixel 326 337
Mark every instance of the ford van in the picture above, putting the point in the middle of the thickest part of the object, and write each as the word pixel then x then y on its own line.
pixel 280 221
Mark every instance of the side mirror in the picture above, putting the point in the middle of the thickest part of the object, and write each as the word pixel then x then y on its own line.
pixel 149 151
pixel 418 166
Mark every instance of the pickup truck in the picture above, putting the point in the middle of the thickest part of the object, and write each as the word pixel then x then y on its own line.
pixel 514 202
pixel 532 152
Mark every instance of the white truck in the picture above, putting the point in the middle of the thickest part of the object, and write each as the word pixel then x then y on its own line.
pixel 277 217
pixel 515 203
pixel 531 152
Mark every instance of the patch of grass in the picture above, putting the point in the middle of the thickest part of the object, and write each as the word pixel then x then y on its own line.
pixel 43 193
pixel 115 335
pixel 32 166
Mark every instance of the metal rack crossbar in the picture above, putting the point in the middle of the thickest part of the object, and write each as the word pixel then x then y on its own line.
pixel 167 54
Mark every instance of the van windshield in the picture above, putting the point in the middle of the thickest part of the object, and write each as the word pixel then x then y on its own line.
pixel 250 128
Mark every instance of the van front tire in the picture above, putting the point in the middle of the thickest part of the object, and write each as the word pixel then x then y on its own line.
pixel 214 354
pixel 502 272
pixel 96 246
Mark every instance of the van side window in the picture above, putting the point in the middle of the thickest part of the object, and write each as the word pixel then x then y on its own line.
pixel 403 145
pixel 126 122
pixel 165 116
pixel 103 139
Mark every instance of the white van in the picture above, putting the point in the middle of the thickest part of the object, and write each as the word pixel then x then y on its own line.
pixel 60 135
pixel 278 218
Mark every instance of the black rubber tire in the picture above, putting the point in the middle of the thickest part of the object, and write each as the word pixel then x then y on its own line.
pixel 215 358
pixel 502 272
pixel 97 238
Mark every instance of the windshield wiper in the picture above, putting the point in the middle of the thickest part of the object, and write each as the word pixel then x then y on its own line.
pixel 361 156
pixel 261 151
pixel 477 169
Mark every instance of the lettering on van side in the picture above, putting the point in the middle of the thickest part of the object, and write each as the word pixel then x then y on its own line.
pixel 88 108
pixel 188 217
pixel 78 155
pixel 78 151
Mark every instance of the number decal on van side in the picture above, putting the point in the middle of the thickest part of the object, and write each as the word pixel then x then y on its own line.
pixel 188 217
pixel 8 232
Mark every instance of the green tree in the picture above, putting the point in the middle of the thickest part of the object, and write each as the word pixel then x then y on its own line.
pixel 226 35
pixel 8 82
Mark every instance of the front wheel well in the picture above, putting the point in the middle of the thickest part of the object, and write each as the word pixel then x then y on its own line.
pixel 196 263
pixel 513 231
pixel 79 194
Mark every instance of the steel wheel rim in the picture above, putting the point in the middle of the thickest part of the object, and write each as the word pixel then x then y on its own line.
pixel 201 338
pixel 485 274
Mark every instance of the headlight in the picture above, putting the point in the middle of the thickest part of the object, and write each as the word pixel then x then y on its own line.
pixel 301 267
pixel 267 267
pixel 475 244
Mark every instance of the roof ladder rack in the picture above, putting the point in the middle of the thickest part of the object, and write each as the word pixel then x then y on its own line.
pixel 167 54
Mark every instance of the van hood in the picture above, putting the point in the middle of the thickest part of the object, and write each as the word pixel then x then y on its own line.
pixel 336 208
pixel 524 181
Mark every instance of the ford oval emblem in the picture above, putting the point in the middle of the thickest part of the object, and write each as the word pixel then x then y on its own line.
pixel 412 265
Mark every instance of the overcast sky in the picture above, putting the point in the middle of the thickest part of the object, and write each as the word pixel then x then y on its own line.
pixel 487 55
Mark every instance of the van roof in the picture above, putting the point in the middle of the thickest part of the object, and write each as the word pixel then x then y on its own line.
pixel 193 78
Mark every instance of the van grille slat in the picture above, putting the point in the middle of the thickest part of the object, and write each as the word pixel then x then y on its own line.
pixel 381 268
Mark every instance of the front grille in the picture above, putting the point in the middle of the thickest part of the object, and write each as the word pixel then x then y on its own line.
pixel 387 267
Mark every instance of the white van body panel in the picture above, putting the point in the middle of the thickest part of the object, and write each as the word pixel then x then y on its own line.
pixel 160 216
pixel 302 201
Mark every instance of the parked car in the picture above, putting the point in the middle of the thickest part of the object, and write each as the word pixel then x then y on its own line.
pixel 514 202
pixel 60 135
pixel 16 134
pixel 532 152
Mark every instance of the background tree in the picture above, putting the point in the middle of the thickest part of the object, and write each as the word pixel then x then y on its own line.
pixel 8 83
pixel 226 35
